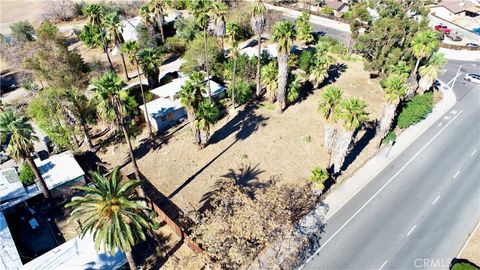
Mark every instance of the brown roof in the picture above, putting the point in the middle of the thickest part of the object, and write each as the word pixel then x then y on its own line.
pixel 457 6
pixel 334 4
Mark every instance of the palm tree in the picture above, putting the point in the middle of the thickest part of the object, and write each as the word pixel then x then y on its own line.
pixel 131 48
pixel 429 72
pixel 201 10
pixel 353 114
pixel 20 146
pixel 157 7
pixel 258 23
pixel 112 214
pixel 95 14
pixel 269 79
pixel 114 28
pixel 322 62
pixel 328 105
pixel 233 31
pixel 190 96
pixel 394 88
pixel 219 10
pixel 206 115
pixel 148 19
pixel 424 43
pixel 304 28
pixel 77 106
pixel 151 61
pixel 112 105
pixel 284 34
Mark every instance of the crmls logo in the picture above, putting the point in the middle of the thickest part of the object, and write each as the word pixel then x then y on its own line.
pixel 426 263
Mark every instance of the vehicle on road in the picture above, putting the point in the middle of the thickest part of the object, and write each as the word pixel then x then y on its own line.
pixel 442 28
pixel 472 78
pixel 454 36
pixel 475 45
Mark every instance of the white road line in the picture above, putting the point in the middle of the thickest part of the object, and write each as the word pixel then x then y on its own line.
pixel 446 117
pixel 456 174
pixel 440 124
pixel 473 153
pixel 381 189
pixel 411 230
pixel 384 263
pixel 454 112
pixel 436 199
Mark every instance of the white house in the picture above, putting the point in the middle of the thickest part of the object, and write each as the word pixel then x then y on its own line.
pixel 452 9
pixel 167 109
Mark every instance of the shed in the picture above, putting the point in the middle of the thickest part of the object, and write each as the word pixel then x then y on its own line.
pixel 164 112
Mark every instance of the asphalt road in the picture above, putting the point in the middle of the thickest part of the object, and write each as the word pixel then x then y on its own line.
pixel 461 87
pixel 321 29
pixel 418 212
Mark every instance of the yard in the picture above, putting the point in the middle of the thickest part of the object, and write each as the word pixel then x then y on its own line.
pixel 254 146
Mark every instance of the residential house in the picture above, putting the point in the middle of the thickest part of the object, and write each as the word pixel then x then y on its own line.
pixel 454 9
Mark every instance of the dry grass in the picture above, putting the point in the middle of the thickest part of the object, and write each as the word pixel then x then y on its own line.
pixel 256 145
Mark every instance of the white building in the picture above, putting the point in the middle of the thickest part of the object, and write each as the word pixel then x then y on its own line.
pixel 453 9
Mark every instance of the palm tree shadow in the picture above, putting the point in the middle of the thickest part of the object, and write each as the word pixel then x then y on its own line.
pixel 246 177
pixel 334 72
pixel 358 146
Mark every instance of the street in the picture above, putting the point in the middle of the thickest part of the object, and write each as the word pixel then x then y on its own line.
pixel 416 213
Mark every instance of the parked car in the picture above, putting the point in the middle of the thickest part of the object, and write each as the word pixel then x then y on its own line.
pixel 454 36
pixel 442 28
pixel 472 78
pixel 475 45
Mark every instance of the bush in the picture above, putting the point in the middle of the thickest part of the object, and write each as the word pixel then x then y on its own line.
pixel 327 11
pixel 391 136
pixel 306 60
pixel 186 28
pixel 246 68
pixel 22 31
pixel 416 110
pixel 26 175
pixel 243 91
pixel 464 265
pixel 175 44
pixel 318 178
pixel 335 46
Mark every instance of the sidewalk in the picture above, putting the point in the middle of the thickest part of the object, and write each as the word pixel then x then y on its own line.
pixel 471 249
pixel 342 193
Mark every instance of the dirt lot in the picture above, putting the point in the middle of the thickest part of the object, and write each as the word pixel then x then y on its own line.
pixel 254 146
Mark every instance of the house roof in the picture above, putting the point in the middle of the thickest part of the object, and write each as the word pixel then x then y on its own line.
pixel 457 6
pixel 8 251
pixel 10 185
pixel 252 51
pixel 59 169
pixel 334 4
pixel 78 253
pixel 170 89
pixel 161 106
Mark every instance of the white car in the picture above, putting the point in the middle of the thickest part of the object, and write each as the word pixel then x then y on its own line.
pixel 472 78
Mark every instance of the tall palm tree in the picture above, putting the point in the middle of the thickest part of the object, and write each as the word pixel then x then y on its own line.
pixel 424 43
pixel 201 11
pixel 258 22
pixel 233 31
pixel 219 10
pixel 157 7
pixel 190 96
pixel 150 60
pixel 284 34
pixel 394 88
pixel 77 106
pixel 206 115
pixel 429 72
pixel 328 105
pixel 112 214
pixel 353 114
pixel 322 62
pixel 148 19
pixel 114 29
pixel 95 14
pixel 20 146
pixel 269 79
pixel 112 105
pixel 132 48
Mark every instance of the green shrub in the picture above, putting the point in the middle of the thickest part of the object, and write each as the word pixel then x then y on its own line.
pixel 175 44
pixel 348 15
pixel 327 11
pixel 186 28
pixel 415 110
pixel 245 70
pixel 26 175
pixel 306 60
pixel 318 178
pixel 335 46
pixel 391 136
pixel 22 31
pixel 243 91
pixel 463 266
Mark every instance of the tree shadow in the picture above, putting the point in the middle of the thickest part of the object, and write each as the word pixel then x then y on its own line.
pixel 334 73
pixel 358 147
pixel 172 58
pixel 245 123
pixel 254 42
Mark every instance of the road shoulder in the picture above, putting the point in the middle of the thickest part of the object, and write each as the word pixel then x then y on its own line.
pixel 471 249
